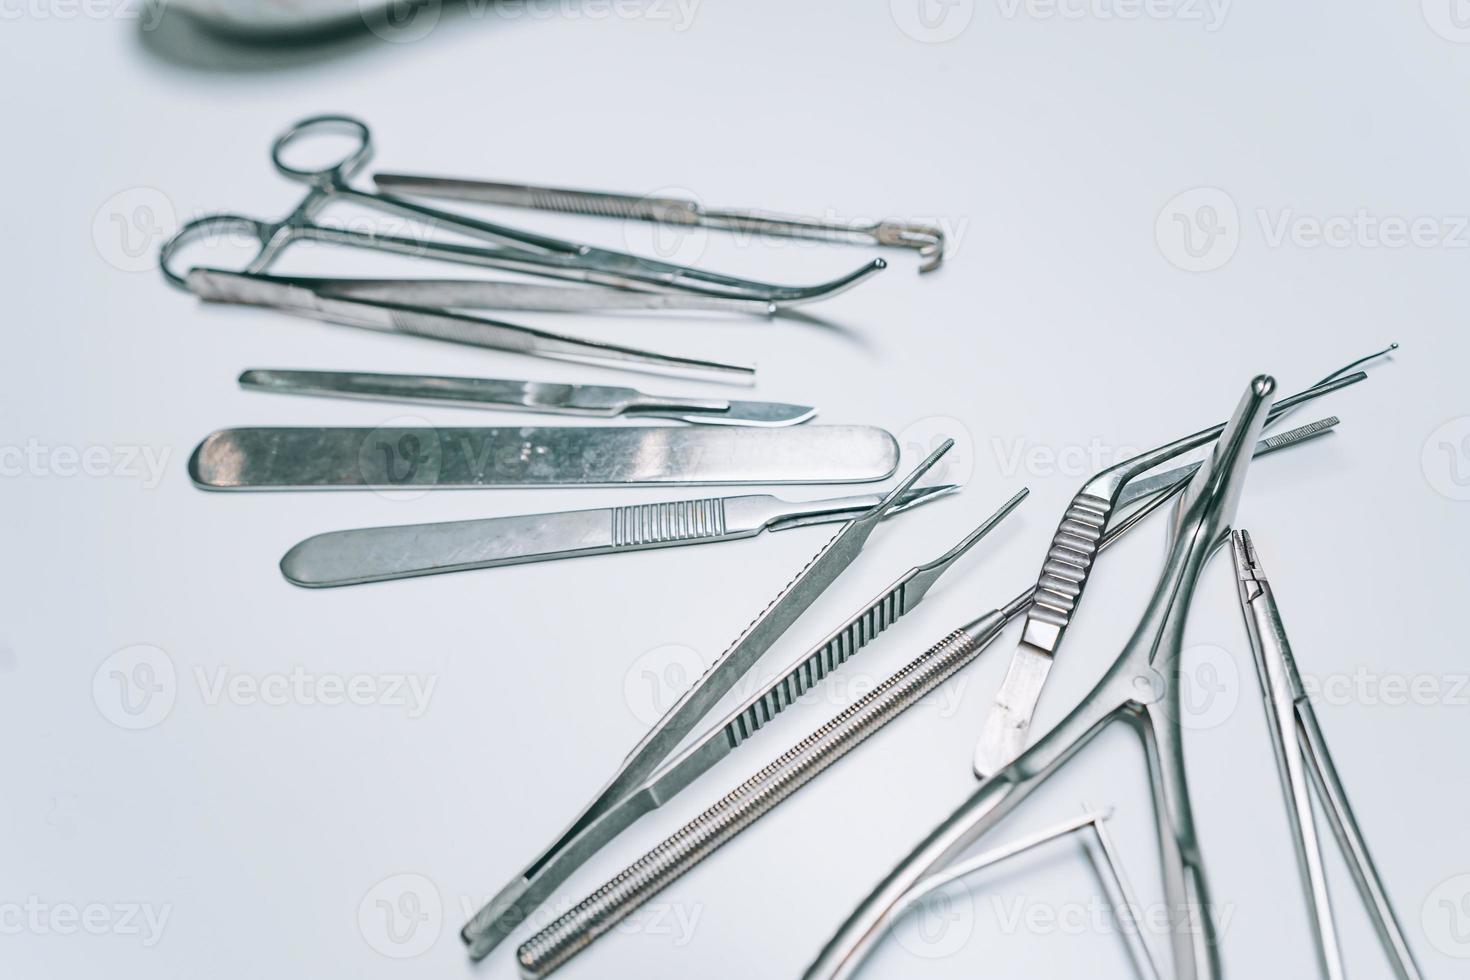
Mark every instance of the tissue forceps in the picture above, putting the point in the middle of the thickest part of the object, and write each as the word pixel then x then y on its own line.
pixel 1064 577
pixel 1141 687
pixel 927 239
pixel 681 851
pixel 510 249
pixel 516 900
pixel 1301 747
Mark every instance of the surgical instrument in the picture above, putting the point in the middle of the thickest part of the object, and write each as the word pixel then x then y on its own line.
pixel 1141 687
pixel 425 457
pixel 511 249
pixel 1300 746
pixel 505 294
pixel 1063 578
pixel 553 946
pixel 593 401
pixel 678 211
pixel 798 677
pixel 379 554
pixel 777 781
pixel 509 907
pixel 298 297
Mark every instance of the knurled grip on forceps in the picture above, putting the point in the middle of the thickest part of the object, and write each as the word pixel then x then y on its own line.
pixel 702 836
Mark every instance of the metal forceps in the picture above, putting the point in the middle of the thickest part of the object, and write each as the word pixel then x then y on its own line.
pixel 510 249
pixel 1064 577
pixel 776 782
pixel 619 802
pixel 1299 747
pixel 1142 688
pixel 927 239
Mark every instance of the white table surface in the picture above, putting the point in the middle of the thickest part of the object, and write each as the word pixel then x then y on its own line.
pixel 246 829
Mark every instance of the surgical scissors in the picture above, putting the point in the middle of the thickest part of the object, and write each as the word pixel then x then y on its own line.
pixel 510 248
pixel 1142 688
pixel 1300 746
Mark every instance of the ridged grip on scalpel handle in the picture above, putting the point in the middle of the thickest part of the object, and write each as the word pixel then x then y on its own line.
pixel 641 525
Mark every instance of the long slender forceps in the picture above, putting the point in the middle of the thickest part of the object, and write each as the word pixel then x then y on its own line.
pixel 1142 688
pixel 776 782
pixel 1301 748
pixel 928 240
pixel 625 797
pixel 511 249
pixel 1064 576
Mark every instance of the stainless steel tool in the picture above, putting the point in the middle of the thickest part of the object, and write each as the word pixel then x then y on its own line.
pixel 553 946
pixel 1063 578
pixel 509 249
pixel 835 738
pixel 592 401
pixel 778 781
pixel 1141 688
pixel 927 239
pixel 300 298
pixel 423 457
pixel 379 554
pixel 1300 748
pixel 586 833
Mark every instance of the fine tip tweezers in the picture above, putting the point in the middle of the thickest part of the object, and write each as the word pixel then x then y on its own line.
pixel 304 298
pixel 619 801
pixel 1064 575
pixel 591 401
pixel 927 239
pixel 1141 687
pixel 380 554
pixel 1301 750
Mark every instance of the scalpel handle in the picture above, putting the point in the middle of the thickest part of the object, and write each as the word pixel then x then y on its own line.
pixel 378 554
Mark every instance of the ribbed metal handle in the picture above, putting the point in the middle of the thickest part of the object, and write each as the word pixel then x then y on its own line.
pixel 858 633
pixel 1064 573
pixel 640 881
pixel 640 525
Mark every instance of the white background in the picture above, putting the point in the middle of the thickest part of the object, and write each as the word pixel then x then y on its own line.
pixel 1062 331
